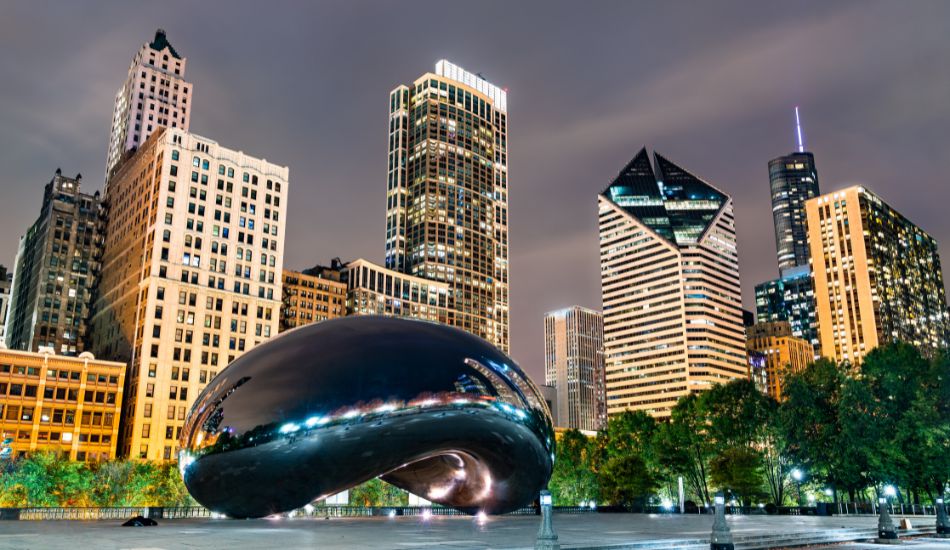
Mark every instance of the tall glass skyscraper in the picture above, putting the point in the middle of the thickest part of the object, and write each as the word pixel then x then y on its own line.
pixel 670 284
pixel 447 194
pixel 790 298
pixel 793 180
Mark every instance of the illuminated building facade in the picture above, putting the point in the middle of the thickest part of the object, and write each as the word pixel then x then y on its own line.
pixel 670 282
pixel 447 194
pixel 309 298
pixel 191 278
pixel 375 290
pixel 782 352
pixel 55 274
pixel 6 284
pixel 574 366
pixel 793 180
pixel 790 298
pixel 155 94
pixel 66 405
pixel 877 276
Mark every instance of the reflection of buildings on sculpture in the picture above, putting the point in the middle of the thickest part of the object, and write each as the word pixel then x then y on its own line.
pixel 66 405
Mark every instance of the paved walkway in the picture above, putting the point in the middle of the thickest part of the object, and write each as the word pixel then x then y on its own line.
pixel 402 533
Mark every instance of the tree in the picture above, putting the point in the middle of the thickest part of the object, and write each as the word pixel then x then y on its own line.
pixel 377 492
pixel 809 419
pixel 573 481
pixel 738 469
pixel 45 479
pixel 904 393
pixel 683 446
pixel 627 479
pixel 741 426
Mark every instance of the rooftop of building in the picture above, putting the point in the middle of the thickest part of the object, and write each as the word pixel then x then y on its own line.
pixel 160 42
pixel 670 200
pixel 46 352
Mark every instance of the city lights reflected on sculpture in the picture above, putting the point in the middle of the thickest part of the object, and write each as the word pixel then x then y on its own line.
pixel 325 407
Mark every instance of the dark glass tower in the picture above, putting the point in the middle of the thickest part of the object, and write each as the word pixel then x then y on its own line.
pixel 790 298
pixel 793 180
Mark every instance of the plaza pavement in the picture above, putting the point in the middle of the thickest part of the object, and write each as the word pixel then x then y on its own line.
pixel 404 533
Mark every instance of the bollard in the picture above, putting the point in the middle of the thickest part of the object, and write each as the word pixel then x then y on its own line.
pixel 721 535
pixel 886 533
pixel 943 522
pixel 547 538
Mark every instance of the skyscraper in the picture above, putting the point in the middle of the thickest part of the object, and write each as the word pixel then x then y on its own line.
pixel 55 273
pixel 574 365
pixel 670 283
pixel 155 93
pixel 447 194
pixel 877 276
pixel 790 298
pixel 793 179
pixel 191 276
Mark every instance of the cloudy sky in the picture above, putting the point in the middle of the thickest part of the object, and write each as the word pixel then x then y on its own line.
pixel 711 85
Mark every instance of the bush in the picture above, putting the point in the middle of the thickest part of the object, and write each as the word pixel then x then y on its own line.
pixel 47 480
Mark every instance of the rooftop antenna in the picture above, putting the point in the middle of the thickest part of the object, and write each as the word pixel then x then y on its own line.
pixel 798 129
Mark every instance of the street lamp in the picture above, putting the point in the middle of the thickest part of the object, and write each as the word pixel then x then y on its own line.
pixel 890 491
pixel 797 475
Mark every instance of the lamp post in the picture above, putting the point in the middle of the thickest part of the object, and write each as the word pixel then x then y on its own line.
pixel 886 533
pixel 943 522
pixel 797 475
pixel 721 535
pixel 547 538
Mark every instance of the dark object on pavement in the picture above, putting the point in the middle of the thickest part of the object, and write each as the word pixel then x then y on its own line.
pixel 140 521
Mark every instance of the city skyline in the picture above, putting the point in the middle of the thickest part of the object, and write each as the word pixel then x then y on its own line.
pixel 553 234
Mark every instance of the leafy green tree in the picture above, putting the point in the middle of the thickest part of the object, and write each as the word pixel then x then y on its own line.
pixel 809 418
pixel 738 469
pixel 901 390
pixel 625 458
pixel 573 480
pixel 45 479
pixel 377 492
pixel 683 446
pixel 744 422
pixel 627 479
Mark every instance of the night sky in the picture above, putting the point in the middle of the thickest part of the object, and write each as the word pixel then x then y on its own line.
pixel 710 85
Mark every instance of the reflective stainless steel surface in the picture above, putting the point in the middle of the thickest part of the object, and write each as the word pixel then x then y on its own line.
pixel 325 407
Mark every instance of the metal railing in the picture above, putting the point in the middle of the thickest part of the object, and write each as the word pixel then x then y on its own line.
pixel 195 512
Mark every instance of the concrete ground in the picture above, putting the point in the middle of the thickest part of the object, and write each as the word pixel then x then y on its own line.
pixel 402 533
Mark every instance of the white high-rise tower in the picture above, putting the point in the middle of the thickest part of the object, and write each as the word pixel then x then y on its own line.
pixel 154 94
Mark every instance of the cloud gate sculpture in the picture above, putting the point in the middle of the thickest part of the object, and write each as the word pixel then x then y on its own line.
pixel 325 407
